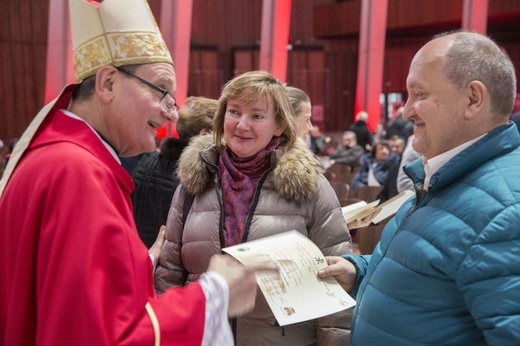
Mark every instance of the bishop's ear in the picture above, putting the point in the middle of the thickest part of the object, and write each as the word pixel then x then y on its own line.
pixel 106 77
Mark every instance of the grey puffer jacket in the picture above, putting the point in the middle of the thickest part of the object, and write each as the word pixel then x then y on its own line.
pixel 293 194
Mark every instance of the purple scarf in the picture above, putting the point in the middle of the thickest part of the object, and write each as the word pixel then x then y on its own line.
pixel 238 180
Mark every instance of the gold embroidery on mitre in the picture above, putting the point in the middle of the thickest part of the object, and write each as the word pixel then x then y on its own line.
pixel 90 56
pixel 126 48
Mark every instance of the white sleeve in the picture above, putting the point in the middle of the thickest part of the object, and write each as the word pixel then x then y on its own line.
pixel 217 330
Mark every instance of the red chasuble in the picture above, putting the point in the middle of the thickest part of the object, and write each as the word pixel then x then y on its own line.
pixel 73 270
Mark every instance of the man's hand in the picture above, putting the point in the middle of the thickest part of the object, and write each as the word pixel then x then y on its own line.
pixel 343 271
pixel 241 281
pixel 155 250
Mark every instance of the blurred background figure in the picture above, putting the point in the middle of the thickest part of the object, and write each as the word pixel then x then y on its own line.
pixel 155 176
pixel 348 152
pixel 399 126
pixel 360 128
pixel 404 182
pixel 375 166
pixel 379 133
pixel 397 145
pixel 320 143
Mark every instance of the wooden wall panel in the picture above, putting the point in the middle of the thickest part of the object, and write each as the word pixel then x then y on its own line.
pixel 328 74
pixel 23 38
pixel 245 60
pixel 205 78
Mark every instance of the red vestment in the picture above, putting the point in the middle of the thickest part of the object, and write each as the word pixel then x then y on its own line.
pixel 73 270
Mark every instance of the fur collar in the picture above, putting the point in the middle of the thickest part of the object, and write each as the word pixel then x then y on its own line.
pixel 295 176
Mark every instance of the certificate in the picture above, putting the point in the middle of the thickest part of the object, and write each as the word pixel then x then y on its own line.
pixel 295 293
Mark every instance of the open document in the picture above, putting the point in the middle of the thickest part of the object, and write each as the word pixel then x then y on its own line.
pixel 360 210
pixel 295 293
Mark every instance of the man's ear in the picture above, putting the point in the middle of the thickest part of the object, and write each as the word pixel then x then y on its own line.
pixel 477 92
pixel 105 81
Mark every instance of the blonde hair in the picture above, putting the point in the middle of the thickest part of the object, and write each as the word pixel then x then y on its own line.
pixel 297 97
pixel 249 87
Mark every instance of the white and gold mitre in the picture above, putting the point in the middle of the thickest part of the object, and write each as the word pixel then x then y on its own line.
pixel 114 32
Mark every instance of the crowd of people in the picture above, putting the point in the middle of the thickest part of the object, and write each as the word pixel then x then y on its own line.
pixel 86 259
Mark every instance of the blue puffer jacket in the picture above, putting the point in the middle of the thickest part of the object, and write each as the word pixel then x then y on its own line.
pixel 446 271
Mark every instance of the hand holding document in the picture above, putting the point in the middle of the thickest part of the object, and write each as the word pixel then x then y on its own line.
pixel 294 293
pixel 358 211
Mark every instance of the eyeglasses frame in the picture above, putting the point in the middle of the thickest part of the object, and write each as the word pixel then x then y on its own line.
pixel 163 92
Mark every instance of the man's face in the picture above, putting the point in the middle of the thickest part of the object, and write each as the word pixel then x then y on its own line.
pixel 348 141
pixel 434 104
pixel 137 112
pixel 397 146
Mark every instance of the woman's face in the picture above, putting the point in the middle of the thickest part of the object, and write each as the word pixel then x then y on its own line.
pixel 303 120
pixel 249 128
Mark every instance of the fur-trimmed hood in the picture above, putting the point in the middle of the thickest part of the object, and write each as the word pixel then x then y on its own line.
pixel 295 174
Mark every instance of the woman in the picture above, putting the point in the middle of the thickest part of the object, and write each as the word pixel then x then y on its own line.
pixel 375 166
pixel 301 104
pixel 253 179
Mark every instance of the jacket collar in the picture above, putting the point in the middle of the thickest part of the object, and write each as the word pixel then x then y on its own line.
pixel 497 142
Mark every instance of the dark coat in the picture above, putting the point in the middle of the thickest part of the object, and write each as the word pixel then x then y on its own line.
pixel 155 183
pixel 364 137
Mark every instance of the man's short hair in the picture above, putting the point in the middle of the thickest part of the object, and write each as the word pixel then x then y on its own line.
pixel 85 89
pixel 196 115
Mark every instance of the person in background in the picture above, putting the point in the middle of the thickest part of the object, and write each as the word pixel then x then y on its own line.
pixel 360 128
pixel 404 182
pixel 379 133
pixel 301 104
pixel 446 265
pixel 389 190
pixel 397 145
pixel 75 272
pixel 399 126
pixel 374 166
pixel 155 176
pixel 254 178
pixel 319 141
pixel 348 152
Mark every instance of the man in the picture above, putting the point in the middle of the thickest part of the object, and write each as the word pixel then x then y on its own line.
pixel 348 152
pixel 360 128
pixel 445 271
pixel 155 176
pixel 400 127
pixel 73 270
pixel 389 190
pixel 397 145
